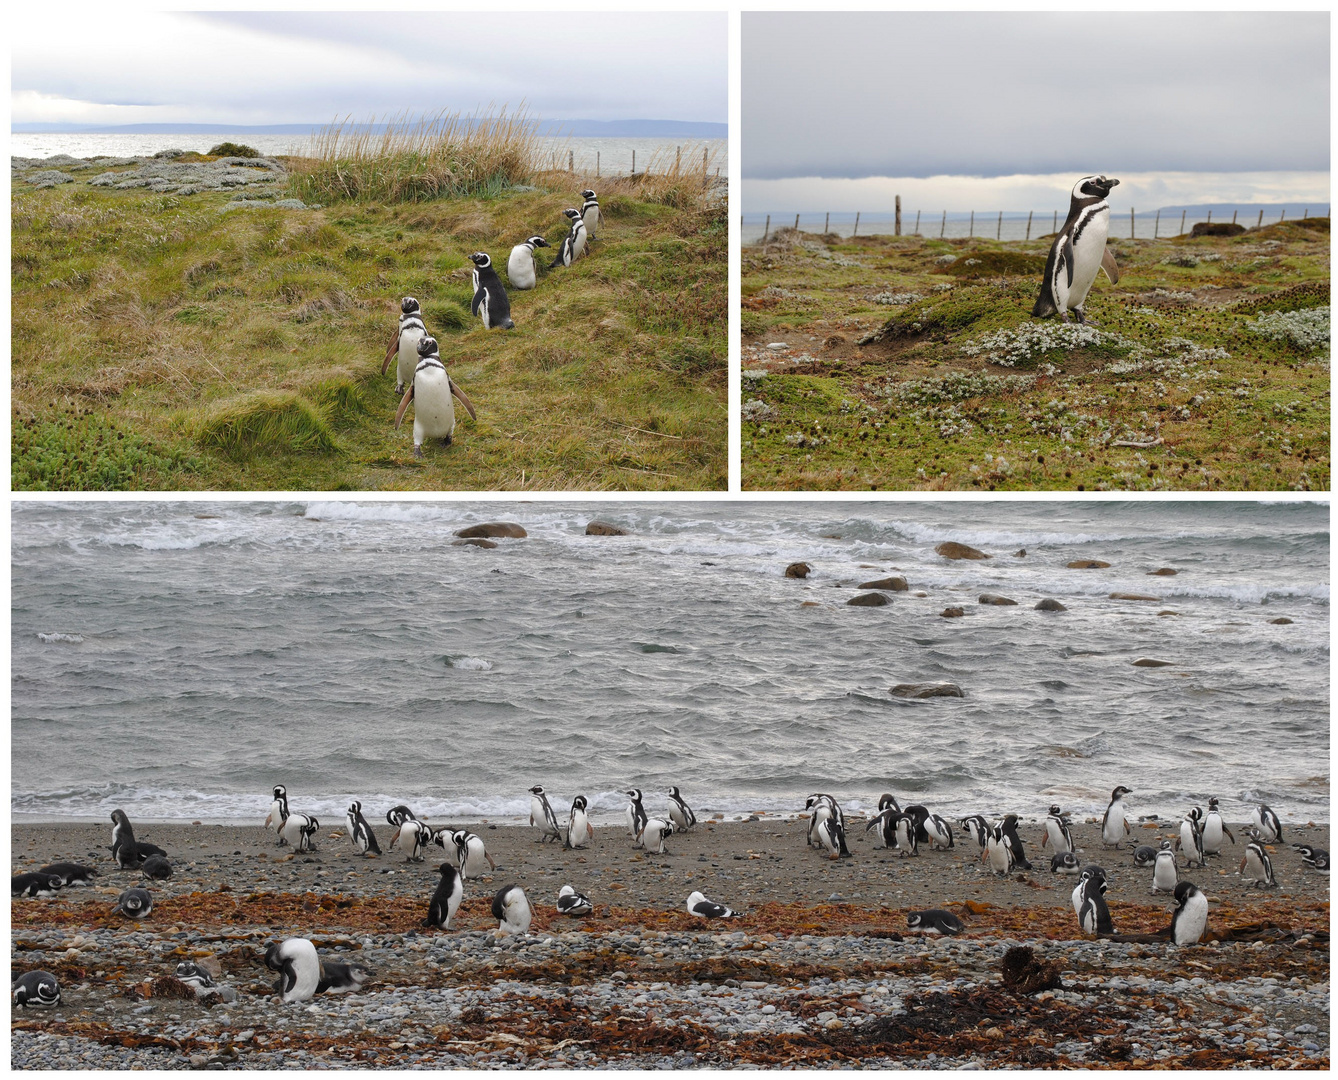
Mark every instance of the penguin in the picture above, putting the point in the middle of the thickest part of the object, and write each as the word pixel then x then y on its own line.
pixel 1114 825
pixel 36 990
pixel 1019 854
pixel 490 302
pixel 431 392
pixel 977 826
pixel 1064 862
pixel 1145 855
pixel 511 910
pixel 1189 841
pixel 579 832
pixel 542 816
pixel 1191 914
pixel 36 884
pixel 707 909
pixel 411 331
pixel 885 821
pixel 830 836
pixel 935 921
pixel 570 902
pixel 636 814
pixel 127 852
pixel 134 903
pixel 278 810
pixel 573 244
pixel 1213 829
pixel 1164 873
pixel 296 830
pixel 1314 857
pixel 299 967
pixel 591 216
pixel 680 813
pixel 156 868
pixel 654 832
pixel 339 978
pixel 520 269
pixel 189 972
pixel 1078 252
pixel 1257 867
pixel 919 815
pixel 1057 832
pixel 1267 823
pixel 938 832
pixel 905 837
pixel 1089 902
pixel 823 807
pixel 70 873
pixel 1004 849
pixel 446 900
pixel 470 854
pixel 397 816
pixel 418 834
pixel 359 831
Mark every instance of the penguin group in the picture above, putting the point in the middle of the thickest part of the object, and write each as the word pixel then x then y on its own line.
pixel 421 378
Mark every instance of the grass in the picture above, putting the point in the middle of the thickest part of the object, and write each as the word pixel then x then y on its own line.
pixel 914 364
pixel 159 342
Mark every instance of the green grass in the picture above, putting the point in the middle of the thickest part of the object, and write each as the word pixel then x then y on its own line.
pixel 242 350
pixel 906 369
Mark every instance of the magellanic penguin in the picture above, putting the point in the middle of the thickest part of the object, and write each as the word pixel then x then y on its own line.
pixel 418 835
pixel 431 392
pixel 277 812
pixel 654 833
pixel 707 909
pixel 405 343
pixel 977 826
pixel 446 900
pixel 35 885
pixel 938 832
pixel 591 215
pixel 573 244
pixel 542 816
pixel 1064 862
pixel 189 972
pixel 570 902
pixel 490 302
pixel 511 910
pixel 1257 867
pixel 1314 857
pixel 134 904
pixel 337 978
pixel 359 831
pixel 1145 855
pixel 470 853
pixel 1189 841
pixel 935 921
pixel 70 873
pixel 1114 824
pixel 579 831
pixel 1057 832
pixel 1089 902
pixel 127 852
pixel 36 990
pixel 680 813
pixel 885 821
pixel 1191 914
pixel 831 836
pixel 299 968
pixel 397 816
pixel 636 814
pixel 1078 252
pixel 1164 872
pixel 1214 828
pixel 156 868
pixel 294 829
pixel 1270 828
pixel 1004 849
pixel 822 807
pixel 520 270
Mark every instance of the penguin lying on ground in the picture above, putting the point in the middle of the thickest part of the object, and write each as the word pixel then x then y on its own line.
pixel 156 868
pixel 707 909
pixel 1078 252
pixel 189 972
pixel 570 902
pixel 935 921
pixel 34 885
pixel 1314 857
pixel 431 393
pixel 134 904
pixel 520 269
pixel 404 344
pixel 1064 862
pixel 490 300
pixel 36 990
pixel 70 873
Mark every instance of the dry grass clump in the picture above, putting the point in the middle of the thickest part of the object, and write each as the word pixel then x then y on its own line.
pixel 447 155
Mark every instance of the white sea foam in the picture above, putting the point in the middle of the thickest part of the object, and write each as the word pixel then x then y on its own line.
pixel 52 639
pixel 469 663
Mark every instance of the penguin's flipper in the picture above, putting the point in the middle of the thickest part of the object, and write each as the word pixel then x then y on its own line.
pixel 1108 265
pixel 1066 257
pixel 394 348
pixel 478 299
pixel 399 419
pixel 1228 832
pixel 469 408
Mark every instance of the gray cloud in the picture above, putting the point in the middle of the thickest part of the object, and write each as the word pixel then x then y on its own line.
pixel 986 94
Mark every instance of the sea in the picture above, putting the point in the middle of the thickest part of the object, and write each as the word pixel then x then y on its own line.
pixel 602 156
pixel 177 660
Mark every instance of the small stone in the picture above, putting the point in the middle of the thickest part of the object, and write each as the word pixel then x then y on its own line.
pixel 952 613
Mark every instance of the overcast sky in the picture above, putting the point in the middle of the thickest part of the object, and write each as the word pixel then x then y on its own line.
pixel 899 94
pixel 116 66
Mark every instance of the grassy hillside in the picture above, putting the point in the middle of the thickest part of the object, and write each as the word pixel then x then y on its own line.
pixel 906 363
pixel 160 341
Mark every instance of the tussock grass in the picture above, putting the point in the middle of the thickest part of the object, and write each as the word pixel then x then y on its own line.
pixel 266 420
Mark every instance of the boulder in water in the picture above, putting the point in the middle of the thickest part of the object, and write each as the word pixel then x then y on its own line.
pixel 1147 661
pixel 798 570
pixel 868 599
pixel 952 613
pixel 474 541
pixel 997 600
pixel 1283 621
pixel 1050 605
pixel 1134 596
pixel 951 550
pixel 926 690
pixel 1088 564
pixel 1165 571
pixel 604 528
pixel 494 528
pixel 892 584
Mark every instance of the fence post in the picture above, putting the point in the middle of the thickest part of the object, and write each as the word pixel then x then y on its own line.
pixel 766 229
pixel 1260 223
pixel 971 235
pixel 678 161
pixel 1054 225
pixel 1282 216
pixel 1029 224
pixel 571 161
pixel 917 223
pixel 633 162
pixel 827 223
pixel 1182 223
pixel 897 225
pixel 1306 214
pixel 1233 216
pixel 943 227
pixel 1156 225
pixel 796 223
pixel 855 231
pixel 998 232
pixel 596 164
pixel 1210 217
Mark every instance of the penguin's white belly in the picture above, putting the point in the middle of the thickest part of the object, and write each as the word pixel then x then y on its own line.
pixel 998 857
pixel 520 268
pixel 433 409
pixel 1192 921
pixel 591 219
pixel 408 359
pixel 1164 876
pixel 1088 251
pixel 474 861
pixel 1212 836
pixel 1113 832
pixel 1056 837
pixel 578 835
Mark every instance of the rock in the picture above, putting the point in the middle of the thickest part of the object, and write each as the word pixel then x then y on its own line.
pixel 1216 228
pixel 603 528
pixel 1283 621
pixel 798 570
pixel 894 584
pixel 868 599
pixel 1088 564
pixel 494 528
pixel 952 613
pixel 1024 973
pixel 951 550
pixel 1175 613
pixel 1050 605
pixel 997 600
pixel 1165 571
pixel 926 690
pixel 1020 553
pixel 1147 661
pixel 810 603
pixel 1134 596
pixel 474 541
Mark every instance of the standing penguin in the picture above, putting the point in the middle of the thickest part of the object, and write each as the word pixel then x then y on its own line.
pixel 1057 833
pixel 1089 902
pixel 1164 873
pixel 831 836
pixel 680 813
pixel 938 831
pixel 977 827
pixel 470 853
pixel 636 813
pixel 1190 841
pixel 1267 823
pixel 299 968
pixel 1191 914
pixel 446 900
pixel 1257 867
pixel 511 910
pixel 418 834
pixel 1078 252
pixel 822 808
pixel 490 302
pixel 127 852
pixel 654 832
pixel 590 214
pixel 1114 824
pixel 359 831
pixel 542 816
pixel 294 829
pixel 431 391
pixel 520 269
pixel 573 244
pixel 885 821
pixel 405 343
pixel 579 832
pixel 1214 828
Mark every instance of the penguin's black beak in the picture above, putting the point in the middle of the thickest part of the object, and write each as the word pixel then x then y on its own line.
pixel 1111 183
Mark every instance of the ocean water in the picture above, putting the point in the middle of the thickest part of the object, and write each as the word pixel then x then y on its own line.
pixel 178 659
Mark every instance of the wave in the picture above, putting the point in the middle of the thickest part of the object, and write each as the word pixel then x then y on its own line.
pixel 56 638
pixel 469 663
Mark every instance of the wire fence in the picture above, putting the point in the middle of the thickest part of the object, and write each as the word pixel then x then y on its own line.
pixel 1010 224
